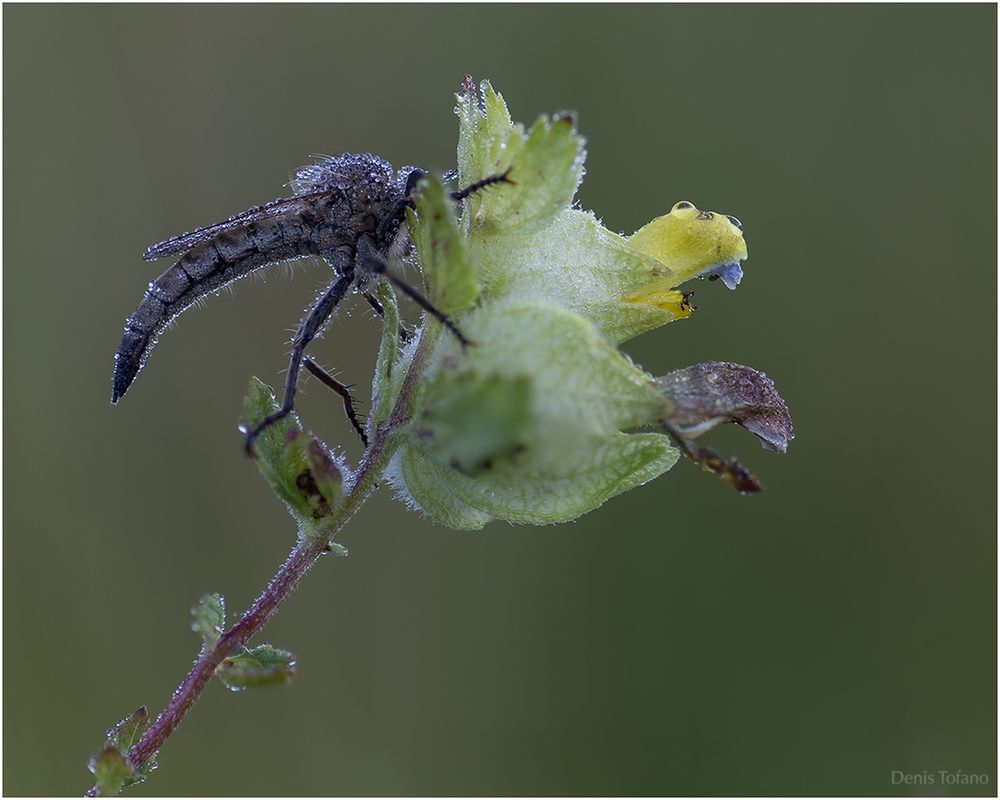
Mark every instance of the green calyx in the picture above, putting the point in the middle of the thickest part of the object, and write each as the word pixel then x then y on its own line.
pixel 528 423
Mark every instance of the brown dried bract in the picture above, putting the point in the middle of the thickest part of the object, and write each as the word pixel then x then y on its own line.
pixel 716 392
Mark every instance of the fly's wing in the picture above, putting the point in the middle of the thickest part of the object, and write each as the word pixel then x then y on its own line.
pixel 179 244
pixel 311 181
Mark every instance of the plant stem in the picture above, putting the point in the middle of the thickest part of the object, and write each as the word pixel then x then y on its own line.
pixel 302 557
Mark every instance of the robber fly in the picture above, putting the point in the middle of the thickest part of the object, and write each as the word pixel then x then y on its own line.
pixel 348 210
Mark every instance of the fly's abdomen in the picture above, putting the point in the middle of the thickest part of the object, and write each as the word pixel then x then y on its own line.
pixel 202 270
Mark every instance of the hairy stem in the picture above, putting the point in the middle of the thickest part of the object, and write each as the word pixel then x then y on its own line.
pixel 302 557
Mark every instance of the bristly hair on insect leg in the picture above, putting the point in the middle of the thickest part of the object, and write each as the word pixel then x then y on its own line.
pixel 472 188
pixel 343 390
pixel 378 267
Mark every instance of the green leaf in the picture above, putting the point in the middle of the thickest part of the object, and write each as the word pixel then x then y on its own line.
pixel 111 767
pixel 471 421
pixel 208 618
pixel 388 356
pixel 258 403
pixel 546 165
pixel 484 134
pixel 127 732
pixel 545 171
pixel 111 772
pixel 297 465
pixel 445 263
pixel 278 463
pixel 262 665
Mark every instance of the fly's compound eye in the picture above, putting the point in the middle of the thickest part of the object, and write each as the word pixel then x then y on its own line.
pixel 682 205
pixel 735 221
pixel 706 215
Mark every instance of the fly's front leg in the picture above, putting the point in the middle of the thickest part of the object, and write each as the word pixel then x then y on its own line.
pixel 472 188
pixel 344 391
pixel 376 266
pixel 308 330
pixel 405 334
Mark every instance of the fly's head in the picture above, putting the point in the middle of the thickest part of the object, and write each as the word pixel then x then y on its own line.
pixel 392 236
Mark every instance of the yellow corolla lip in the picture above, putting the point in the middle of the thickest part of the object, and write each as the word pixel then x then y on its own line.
pixel 675 301
pixel 692 243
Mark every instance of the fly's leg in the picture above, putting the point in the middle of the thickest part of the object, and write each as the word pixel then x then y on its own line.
pixel 392 220
pixel 472 188
pixel 395 215
pixel 344 391
pixel 405 334
pixel 378 267
pixel 308 330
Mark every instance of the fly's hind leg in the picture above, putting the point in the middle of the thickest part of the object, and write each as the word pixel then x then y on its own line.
pixel 308 330
pixel 344 391
pixel 376 266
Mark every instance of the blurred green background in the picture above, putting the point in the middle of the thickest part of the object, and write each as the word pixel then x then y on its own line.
pixel 681 639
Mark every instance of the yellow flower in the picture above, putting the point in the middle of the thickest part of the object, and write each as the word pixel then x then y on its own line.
pixel 689 243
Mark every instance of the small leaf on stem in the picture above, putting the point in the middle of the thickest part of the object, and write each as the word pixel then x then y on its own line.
pixel 111 767
pixel 262 665
pixel 299 468
pixel 208 618
pixel 127 732
pixel 111 772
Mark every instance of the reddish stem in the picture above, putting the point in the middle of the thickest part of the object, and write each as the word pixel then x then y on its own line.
pixel 302 557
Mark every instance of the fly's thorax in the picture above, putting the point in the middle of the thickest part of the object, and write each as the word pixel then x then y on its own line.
pixel 367 183
pixel 401 248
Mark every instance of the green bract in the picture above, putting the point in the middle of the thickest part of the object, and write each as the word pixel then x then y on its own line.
pixel 527 424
